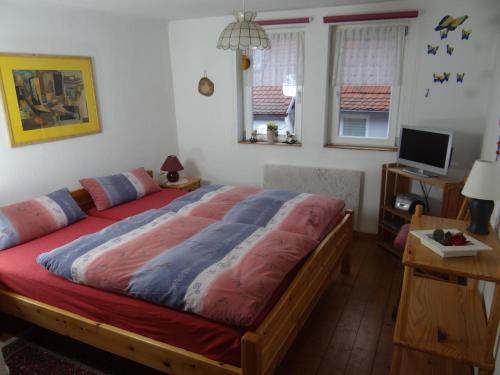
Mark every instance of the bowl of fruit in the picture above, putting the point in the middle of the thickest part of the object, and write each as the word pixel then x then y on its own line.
pixel 449 239
pixel 449 242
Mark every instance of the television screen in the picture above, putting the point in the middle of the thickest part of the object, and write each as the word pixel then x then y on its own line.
pixel 425 149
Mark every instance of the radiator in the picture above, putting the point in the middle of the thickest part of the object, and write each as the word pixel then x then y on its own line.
pixel 341 183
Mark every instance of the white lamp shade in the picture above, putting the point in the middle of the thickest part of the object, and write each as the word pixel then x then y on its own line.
pixel 244 34
pixel 483 181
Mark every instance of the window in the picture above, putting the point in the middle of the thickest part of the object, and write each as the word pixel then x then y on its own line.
pixel 272 87
pixel 365 83
pixel 353 125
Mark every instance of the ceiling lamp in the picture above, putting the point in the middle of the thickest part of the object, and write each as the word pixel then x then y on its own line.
pixel 244 33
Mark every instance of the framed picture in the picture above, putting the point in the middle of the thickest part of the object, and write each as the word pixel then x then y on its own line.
pixel 48 97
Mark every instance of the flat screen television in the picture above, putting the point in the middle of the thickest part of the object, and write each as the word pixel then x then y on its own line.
pixel 427 152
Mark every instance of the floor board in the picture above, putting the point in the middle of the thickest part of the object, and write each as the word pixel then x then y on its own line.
pixel 350 331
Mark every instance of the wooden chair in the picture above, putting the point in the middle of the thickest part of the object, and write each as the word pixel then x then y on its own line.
pixel 464 213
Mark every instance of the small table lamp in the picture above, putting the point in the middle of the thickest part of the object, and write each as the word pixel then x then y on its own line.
pixel 172 165
pixel 483 187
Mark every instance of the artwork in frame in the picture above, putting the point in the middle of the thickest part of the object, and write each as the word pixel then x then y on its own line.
pixel 48 97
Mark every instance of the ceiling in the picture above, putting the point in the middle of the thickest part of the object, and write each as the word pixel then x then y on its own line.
pixel 179 9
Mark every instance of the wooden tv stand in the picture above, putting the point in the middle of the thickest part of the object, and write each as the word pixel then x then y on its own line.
pixel 395 181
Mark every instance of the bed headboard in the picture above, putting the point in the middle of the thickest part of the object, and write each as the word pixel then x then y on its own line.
pixel 340 183
pixel 84 200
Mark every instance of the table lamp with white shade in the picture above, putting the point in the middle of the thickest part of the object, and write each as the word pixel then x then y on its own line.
pixel 483 187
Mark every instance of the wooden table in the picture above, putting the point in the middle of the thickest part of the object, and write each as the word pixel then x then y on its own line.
pixel 441 326
pixel 188 183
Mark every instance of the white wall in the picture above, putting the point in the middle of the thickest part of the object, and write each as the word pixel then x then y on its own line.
pixel 133 83
pixel 207 128
pixel 491 134
pixel 492 131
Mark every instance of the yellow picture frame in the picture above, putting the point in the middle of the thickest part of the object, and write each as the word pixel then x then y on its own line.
pixel 48 97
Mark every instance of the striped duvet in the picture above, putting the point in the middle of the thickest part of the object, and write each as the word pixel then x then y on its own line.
pixel 219 251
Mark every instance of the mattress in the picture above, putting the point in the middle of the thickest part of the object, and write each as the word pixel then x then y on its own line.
pixel 20 273
pixel 152 201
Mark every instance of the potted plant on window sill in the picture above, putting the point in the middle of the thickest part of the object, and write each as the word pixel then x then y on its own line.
pixel 272 132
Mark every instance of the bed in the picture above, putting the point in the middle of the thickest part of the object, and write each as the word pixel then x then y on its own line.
pixel 122 211
pixel 255 350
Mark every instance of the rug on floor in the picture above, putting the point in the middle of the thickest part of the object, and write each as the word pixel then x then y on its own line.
pixel 41 352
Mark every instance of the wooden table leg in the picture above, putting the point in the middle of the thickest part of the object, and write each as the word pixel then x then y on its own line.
pixel 493 320
pixel 401 319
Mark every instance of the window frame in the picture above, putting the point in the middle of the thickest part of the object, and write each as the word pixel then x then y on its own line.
pixel 396 102
pixel 244 95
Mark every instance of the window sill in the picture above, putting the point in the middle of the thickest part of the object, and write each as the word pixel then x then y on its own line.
pixel 359 147
pixel 297 144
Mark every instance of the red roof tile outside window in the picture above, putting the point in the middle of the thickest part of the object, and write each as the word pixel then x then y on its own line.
pixel 365 98
pixel 270 101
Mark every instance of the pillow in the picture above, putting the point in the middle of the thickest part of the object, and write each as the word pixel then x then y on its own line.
pixel 109 191
pixel 24 221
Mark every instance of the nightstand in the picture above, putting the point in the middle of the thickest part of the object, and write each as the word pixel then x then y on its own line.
pixel 188 183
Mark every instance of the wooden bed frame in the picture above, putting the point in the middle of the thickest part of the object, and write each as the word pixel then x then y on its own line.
pixel 261 350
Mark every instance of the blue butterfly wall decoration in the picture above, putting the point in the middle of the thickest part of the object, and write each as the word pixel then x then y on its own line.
pixel 432 50
pixel 449 23
pixel 441 77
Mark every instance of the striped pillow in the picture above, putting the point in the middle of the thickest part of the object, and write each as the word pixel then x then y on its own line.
pixel 109 191
pixel 24 221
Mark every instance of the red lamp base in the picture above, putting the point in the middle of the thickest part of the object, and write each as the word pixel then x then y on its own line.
pixel 173 176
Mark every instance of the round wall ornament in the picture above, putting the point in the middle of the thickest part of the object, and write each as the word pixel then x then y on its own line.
pixel 206 86
pixel 245 62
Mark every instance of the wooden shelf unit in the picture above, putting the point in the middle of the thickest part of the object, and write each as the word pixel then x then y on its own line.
pixel 446 320
pixel 395 181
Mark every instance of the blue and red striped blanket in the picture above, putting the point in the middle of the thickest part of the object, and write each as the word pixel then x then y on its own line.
pixel 219 251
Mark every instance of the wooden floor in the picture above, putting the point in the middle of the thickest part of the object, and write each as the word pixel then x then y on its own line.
pixel 350 331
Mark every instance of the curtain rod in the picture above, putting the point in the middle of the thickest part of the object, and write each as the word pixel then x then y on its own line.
pixel 284 21
pixel 371 16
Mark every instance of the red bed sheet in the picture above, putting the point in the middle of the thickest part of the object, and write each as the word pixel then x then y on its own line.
pixel 122 211
pixel 20 273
